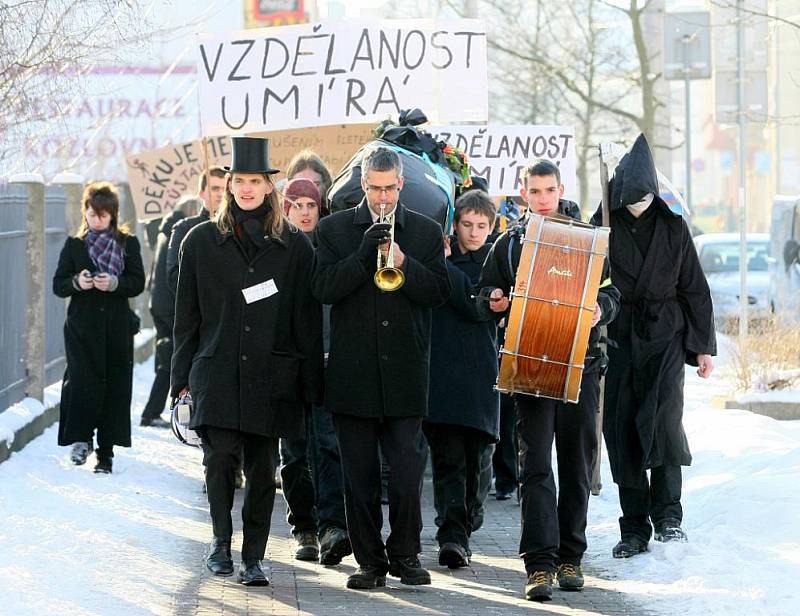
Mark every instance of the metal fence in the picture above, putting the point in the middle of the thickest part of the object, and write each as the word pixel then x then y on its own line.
pixel 13 293
pixel 55 234
pixel 14 285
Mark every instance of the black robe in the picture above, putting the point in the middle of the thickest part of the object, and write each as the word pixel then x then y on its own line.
pixel 98 341
pixel 665 320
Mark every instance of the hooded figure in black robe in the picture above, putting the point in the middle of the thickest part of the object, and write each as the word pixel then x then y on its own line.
pixel 665 320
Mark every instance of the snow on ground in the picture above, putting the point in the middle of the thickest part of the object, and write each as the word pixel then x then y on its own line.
pixel 72 542
pixel 741 505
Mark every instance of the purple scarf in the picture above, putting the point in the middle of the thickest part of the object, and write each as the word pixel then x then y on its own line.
pixel 105 251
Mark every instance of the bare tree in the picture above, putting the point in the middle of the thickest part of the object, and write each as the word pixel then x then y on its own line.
pixel 47 47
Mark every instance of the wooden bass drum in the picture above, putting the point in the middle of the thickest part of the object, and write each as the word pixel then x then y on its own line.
pixel 552 306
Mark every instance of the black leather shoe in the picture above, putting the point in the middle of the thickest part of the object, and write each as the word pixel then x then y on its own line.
pixel 453 556
pixel 669 530
pixel 409 571
pixel 104 465
pixel 629 546
pixel 502 495
pixel 251 574
pixel 219 560
pixel 334 545
pixel 539 586
pixel 154 422
pixel 307 547
pixel 367 577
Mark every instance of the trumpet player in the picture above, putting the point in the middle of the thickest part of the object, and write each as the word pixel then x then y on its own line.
pixel 381 267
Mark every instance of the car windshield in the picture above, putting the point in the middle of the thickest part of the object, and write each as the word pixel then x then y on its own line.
pixel 724 257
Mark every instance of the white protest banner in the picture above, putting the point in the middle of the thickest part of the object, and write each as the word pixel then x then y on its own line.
pixel 341 73
pixel 159 178
pixel 500 153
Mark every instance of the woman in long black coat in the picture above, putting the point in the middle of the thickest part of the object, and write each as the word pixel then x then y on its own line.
pixel 99 270
pixel 248 346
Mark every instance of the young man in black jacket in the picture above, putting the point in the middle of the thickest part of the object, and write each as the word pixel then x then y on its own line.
pixel 553 537
pixel 463 407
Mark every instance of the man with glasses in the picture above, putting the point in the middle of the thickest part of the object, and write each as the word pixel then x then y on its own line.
pixel 377 374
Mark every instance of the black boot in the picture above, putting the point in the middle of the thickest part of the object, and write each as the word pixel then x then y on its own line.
pixel 104 462
pixel 367 577
pixel 629 546
pixel 670 530
pixel 251 574
pixel 79 453
pixel 453 556
pixel 334 545
pixel 219 560
pixel 409 570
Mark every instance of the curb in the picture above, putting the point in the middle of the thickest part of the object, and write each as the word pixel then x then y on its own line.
pixel 38 424
pixel 783 411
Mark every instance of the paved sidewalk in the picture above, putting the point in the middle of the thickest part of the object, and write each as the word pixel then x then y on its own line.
pixel 491 585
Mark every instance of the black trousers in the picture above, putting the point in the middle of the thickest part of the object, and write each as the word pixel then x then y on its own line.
pixel 402 442
pixel 163 357
pixel 223 451
pixel 456 457
pixel 505 459
pixel 554 527
pixel 296 482
pixel 657 500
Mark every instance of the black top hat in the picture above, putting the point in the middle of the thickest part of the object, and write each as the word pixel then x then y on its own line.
pixel 250 155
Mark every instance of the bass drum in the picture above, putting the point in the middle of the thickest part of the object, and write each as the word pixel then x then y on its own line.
pixel 552 307
pixel 428 188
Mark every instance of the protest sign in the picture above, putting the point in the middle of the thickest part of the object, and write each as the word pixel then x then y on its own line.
pixel 500 153
pixel 159 178
pixel 341 73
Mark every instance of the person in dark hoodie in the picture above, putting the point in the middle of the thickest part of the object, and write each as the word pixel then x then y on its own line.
pixel 553 533
pixel 463 408
pixel 162 307
pixel 666 320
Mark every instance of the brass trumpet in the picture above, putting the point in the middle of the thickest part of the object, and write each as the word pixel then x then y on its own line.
pixel 388 277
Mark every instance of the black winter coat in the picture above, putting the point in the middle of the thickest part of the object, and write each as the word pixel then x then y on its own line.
pixel 380 342
pixel 249 367
pixel 162 296
pixel 464 351
pixel 179 233
pixel 666 319
pixel 98 341
pixel 500 270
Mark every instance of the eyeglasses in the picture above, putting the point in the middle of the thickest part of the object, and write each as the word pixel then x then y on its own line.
pixel 384 190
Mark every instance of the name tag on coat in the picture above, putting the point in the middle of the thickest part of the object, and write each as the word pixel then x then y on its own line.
pixel 259 291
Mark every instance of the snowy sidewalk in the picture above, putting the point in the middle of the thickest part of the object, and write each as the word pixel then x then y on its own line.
pixel 72 542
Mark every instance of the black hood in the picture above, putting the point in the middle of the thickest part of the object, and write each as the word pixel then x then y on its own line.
pixel 634 177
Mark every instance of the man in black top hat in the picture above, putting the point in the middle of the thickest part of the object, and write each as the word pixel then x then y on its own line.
pixel 377 374
pixel 248 344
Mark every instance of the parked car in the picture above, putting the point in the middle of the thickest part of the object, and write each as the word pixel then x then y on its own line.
pixel 784 288
pixel 719 258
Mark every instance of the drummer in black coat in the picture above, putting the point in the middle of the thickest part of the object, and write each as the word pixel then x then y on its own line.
pixel 248 345
pixel 553 537
pixel 464 408
pixel 377 374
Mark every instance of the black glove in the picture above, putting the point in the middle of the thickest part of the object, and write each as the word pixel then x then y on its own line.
pixel 376 235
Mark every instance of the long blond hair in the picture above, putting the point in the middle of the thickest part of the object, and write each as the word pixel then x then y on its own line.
pixel 273 223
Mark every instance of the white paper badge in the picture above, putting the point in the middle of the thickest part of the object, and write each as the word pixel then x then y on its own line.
pixel 259 291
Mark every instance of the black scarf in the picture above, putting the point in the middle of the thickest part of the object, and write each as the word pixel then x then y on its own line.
pixel 249 227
